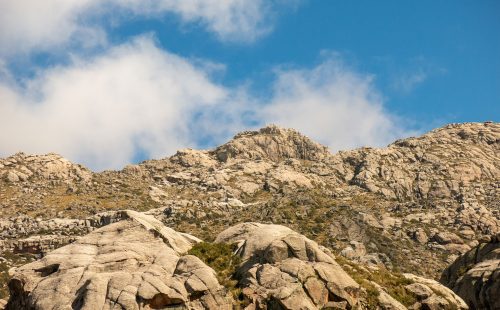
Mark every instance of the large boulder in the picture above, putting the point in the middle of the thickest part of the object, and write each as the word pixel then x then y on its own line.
pixel 282 269
pixel 475 276
pixel 137 263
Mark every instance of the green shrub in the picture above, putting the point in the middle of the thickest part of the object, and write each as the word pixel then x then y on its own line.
pixel 221 258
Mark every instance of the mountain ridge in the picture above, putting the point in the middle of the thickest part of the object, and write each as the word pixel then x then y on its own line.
pixel 274 130
pixel 414 206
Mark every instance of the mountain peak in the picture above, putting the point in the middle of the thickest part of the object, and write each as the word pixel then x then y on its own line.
pixel 273 143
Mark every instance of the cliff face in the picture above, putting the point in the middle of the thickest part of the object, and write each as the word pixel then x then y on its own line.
pixel 413 206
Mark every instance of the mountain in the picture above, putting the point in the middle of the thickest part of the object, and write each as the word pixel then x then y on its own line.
pixel 413 207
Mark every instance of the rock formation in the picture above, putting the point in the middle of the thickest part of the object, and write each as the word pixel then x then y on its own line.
pixel 458 161
pixel 21 167
pixel 475 276
pixel 433 295
pixel 136 263
pixel 272 143
pixel 284 270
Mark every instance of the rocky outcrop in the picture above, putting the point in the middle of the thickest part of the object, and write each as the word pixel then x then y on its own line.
pixel 193 158
pixel 282 269
pixel 136 263
pixel 457 161
pixel 272 143
pixel 19 226
pixel 431 294
pixel 21 167
pixel 475 276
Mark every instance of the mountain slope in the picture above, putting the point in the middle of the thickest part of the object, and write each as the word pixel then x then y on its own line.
pixel 413 206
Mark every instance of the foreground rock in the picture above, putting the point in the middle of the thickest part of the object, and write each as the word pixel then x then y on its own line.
pixel 136 263
pixel 475 276
pixel 282 269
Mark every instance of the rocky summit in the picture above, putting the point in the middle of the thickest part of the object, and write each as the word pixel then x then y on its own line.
pixel 269 220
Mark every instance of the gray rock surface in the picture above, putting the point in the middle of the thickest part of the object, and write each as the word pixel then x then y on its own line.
pixel 272 143
pixel 137 263
pixel 433 295
pixel 22 167
pixel 286 270
pixel 455 160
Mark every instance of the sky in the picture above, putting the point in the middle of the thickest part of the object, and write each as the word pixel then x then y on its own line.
pixel 106 83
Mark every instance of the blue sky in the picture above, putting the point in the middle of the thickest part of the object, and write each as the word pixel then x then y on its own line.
pixel 106 83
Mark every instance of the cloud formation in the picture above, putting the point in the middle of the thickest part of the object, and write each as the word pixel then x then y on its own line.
pixel 334 104
pixel 102 112
pixel 230 20
pixel 30 24
pixel 137 98
pixel 27 25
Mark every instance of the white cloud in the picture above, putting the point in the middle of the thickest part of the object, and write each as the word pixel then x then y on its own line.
pixel 101 112
pixel 333 104
pixel 34 24
pixel 27 25
pixel 139 98
pixel 234 20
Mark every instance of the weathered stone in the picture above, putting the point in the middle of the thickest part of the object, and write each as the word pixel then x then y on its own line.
pixel 420 236
pixel 420 290
pixel 475 276
pixel 441 297
pixel 12 177
pixel 271 143
pixel 386 301
pixel 287 268
pixel 447 238
pixel 136 263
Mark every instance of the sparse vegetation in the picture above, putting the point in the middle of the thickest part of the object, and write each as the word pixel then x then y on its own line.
pixel 394 283
pixel 221 258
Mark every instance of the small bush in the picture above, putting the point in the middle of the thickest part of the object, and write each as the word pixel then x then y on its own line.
pixel 221 258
